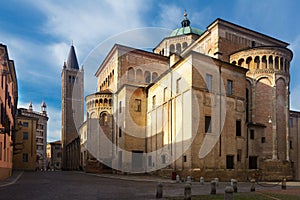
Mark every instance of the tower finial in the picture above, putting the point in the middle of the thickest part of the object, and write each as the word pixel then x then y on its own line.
pixel 185 22
pixel 184 14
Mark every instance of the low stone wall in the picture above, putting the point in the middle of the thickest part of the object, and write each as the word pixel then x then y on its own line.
pixel 5 173
pixel 270 170
pixel 276 170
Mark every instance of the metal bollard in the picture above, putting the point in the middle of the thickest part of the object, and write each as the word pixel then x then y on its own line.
pixel 228 195
pixel 252 189
pixel 234 184
pixel 159 191
pixel 201 180
pixel 188 180
pixel 217 181
pixel 213 189
pixel 187 192
pixel 283 185
pixel 177 178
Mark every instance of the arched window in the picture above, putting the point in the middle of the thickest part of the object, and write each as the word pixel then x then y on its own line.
pixel 147 77
pixel 104 119
pixel 257 62
pixel 101 102
pixel 264 62
pixel 233 62
pixel 276 62
pixel 178 48
pixel 271 62
pixel 163 52
pixel 281 64
pixel 172 48
pixel 105 102
pixel 110 102
pixel 130 74
pixel 248 62
pixel 139 75
pixel 184 45
pixel 154 76
pixel 241 62
pixel 97 102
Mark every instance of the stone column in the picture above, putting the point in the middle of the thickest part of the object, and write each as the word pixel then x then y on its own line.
pixel 228 195
pixel 287 119
pixel 274 131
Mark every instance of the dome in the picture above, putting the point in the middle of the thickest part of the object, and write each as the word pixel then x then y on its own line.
pixel 185 28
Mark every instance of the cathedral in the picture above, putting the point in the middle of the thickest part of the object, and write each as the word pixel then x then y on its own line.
pixel 210 103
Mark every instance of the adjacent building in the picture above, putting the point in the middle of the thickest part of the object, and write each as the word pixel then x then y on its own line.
pixel 8 108
pixel 54 154
pixel 31 139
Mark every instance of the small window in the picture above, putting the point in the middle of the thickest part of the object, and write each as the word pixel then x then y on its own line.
pixel 208 81
pixel 252 134
pixel 120 132
pixel 178 86
pixel 252 162
pixel 291 122
pixel 239 155
pixel 165 94
pixel 138 105
pixel 25 157
pixel 163 159
pixel 153 101
pixel 208 124
pixel 25 135
pixel 263 140
pixel 149 161
pixel 229 87
pixel 120 107
pixel 229 162
pixel 25 124
pixel 184 158
pixel 291 144
pixel 238 128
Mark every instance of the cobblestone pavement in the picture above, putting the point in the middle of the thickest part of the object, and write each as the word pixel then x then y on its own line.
pixel 79 185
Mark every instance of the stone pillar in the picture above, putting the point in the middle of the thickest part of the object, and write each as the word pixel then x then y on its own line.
pixel 159 191
pixel 201 180
pixel 283 184
pixel 187 192
pixel 234 184
pixel 188 180
pixel 274 124
pixel 177 178
pixel 213 188
pixel 252 189
pixel 228 195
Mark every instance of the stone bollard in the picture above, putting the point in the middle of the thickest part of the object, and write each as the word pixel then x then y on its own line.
pixel 217 181
pixel 213 189
pixel 188 180
pixel 283 185
pixel 177 178
pixel 252 189
pixel 228 195
pixel 201 180
pixel 159 191
pixel 187 192
pixel 234 184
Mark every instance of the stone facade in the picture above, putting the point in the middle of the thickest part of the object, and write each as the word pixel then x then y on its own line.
pixel 54 154
pixel 37 132
pixel 8 100
pixel 216 106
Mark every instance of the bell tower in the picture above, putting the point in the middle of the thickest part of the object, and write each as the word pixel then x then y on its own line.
pixel 72 109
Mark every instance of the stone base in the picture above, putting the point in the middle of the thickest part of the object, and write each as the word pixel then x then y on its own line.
pixel 5 173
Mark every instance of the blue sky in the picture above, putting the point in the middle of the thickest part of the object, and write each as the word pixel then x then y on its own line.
pixel 39 34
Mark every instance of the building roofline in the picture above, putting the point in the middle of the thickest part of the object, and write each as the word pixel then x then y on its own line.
pixel 247 29
pixel 129 49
